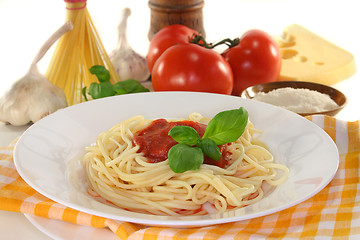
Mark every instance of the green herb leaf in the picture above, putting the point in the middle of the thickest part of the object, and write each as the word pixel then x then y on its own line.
pixel 184 134
pixel 105 89
pixel 129 86
pixel 84 93
pixel 120 91
pixel 227 126
pixel 209 148
pixel 100 90
pixel 102 74
pixel 183 158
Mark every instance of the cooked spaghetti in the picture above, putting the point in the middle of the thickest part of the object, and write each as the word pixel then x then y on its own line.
pixel 119 173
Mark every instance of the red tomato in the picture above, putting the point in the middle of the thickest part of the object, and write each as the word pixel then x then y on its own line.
pixel 165 38
pixel 256 59
pixel 190 67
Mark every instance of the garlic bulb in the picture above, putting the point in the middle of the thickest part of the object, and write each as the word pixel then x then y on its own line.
pixel 128 63
pixel 32 97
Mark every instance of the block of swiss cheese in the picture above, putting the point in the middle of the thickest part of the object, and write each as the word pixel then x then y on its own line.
pixel 308 57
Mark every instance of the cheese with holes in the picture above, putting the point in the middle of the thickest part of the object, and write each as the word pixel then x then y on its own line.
pixel 308 57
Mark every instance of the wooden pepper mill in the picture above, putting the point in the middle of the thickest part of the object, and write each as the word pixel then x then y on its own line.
pixel 168 12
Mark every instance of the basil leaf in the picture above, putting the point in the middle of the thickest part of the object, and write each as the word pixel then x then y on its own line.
pixel 84 93
pixel 184 134
pixel 102 74
pixel 129 86
pixel 100 90
pixel 119 91
pixel 227 126
pixel 209 148
pixel 183 158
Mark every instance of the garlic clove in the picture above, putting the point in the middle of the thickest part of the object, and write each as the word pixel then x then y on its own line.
pixel 128 63
pixel 32 97
pixel 48 98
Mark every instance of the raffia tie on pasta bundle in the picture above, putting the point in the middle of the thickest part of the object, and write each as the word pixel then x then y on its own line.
pixel 125 178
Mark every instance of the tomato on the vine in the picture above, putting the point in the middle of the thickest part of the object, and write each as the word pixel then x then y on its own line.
pixel 190 67
pixel 165 38
pixel 256 59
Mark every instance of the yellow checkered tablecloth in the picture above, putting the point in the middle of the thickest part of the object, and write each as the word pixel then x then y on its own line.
pixel 333 213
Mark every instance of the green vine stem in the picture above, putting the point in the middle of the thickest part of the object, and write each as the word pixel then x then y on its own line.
pixel 200 40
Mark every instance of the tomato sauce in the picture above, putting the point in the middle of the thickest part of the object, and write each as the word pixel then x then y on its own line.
pixel 155 142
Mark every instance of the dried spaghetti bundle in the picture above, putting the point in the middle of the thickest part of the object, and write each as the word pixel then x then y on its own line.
pixel 76 52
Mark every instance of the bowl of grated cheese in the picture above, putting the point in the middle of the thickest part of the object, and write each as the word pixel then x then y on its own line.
pixel 304 98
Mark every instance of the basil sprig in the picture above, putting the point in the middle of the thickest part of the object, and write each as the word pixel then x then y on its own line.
pixel 105 89
pixel 188 154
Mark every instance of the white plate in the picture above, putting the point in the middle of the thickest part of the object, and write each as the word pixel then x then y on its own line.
pixel 48 153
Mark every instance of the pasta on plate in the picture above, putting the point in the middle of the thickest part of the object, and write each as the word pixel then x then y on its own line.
pixel 119 173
